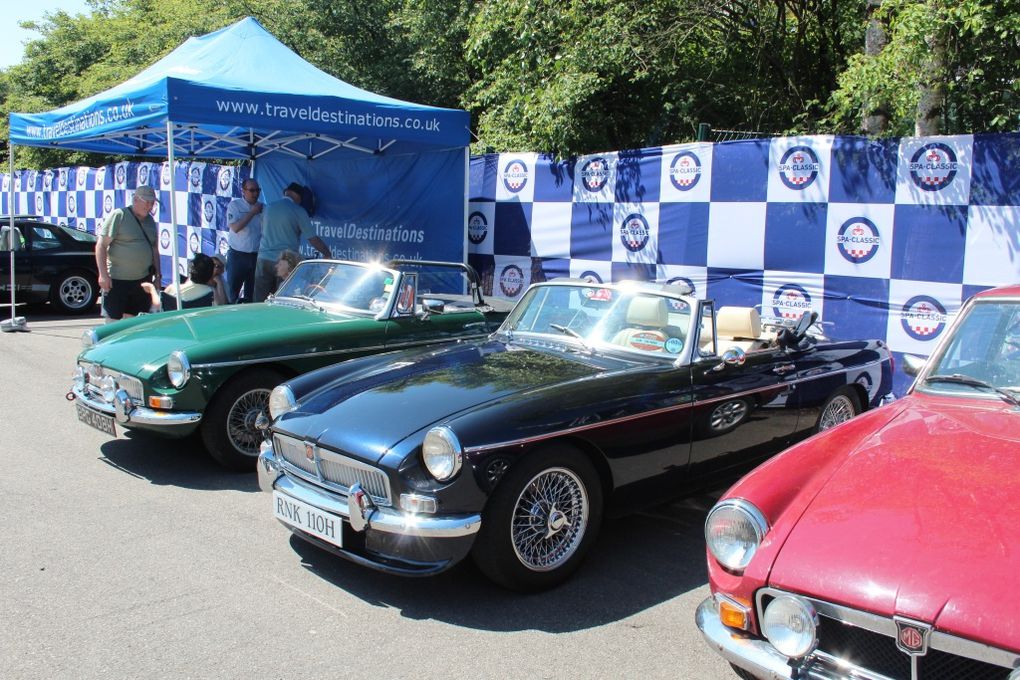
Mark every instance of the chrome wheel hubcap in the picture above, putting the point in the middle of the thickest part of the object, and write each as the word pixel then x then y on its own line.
pixel 241 421
pixel 550 519
pixel 75 292
pixel 728 415
pixel 839 410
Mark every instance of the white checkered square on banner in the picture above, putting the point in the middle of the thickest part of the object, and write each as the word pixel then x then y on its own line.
pixel 799 169
pixel 550 229
pixel 787 295
pixel 636 232
pixel 686 173
pixel 512 276
pixel 596 271
pixel 736 235
pixel 595 178
pixel 858 239
pixel 515 177
pixel 919 312
pixel 481 218
pixel 990 256
pixel 935 170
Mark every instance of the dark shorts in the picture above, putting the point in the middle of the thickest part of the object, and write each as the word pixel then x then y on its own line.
pixel 126 297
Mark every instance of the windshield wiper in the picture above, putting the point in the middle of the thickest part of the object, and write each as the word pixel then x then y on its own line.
pixel 572 333
pixel 958 379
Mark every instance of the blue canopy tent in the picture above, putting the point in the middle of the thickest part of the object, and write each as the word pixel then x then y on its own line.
pixel 239 93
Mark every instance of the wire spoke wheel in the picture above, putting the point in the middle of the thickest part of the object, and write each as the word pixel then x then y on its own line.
pixel 241 421
pixel 549 519
pixel 839 409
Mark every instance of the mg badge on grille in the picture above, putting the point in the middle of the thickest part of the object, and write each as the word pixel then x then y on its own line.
pixel 912 636
pixel 309 452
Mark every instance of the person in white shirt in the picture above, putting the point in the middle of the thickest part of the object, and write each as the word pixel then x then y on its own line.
pixel 244 219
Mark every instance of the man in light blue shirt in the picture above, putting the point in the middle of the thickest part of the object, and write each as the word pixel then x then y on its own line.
pixel 284 222
pixel 244 219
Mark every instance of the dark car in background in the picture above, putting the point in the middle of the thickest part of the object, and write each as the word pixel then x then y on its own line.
pixel 589 399
pixel 51 264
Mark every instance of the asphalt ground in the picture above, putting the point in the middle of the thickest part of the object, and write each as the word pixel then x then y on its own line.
pixel 138 557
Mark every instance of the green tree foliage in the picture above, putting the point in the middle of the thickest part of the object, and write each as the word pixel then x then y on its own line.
pixel 979 72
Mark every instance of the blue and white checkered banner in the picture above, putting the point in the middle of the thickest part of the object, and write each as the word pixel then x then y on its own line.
pixel 82 197
pixel 884 239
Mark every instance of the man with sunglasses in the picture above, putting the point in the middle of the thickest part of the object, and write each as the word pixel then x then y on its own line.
pixel 244 219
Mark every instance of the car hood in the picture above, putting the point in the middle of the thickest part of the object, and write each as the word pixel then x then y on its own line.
pixel 227 333
pixel 370 413
pixel 921 521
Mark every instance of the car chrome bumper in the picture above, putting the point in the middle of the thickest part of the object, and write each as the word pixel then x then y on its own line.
pixel 753 655
pixel 129 414
pixel 388 520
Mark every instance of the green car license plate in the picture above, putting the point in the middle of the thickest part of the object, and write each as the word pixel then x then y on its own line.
pixel 100 421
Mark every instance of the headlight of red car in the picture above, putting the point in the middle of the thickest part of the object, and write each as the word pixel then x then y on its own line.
pixel 733 531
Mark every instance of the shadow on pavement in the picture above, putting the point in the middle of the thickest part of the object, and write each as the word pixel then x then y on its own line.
pixel 638 562
pixel 173 462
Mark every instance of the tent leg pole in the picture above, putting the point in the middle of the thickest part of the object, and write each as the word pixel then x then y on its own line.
pixel 16 323
pixel 173 209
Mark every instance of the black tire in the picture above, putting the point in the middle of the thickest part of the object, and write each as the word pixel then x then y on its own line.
pixel 511 548
pixel 724 417
pixel 841 406
pixel 228 425
pixel 74 292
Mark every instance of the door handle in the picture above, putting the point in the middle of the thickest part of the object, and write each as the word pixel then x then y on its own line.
pixel 783 369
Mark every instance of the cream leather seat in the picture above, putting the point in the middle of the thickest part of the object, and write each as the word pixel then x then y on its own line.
pixel 739 327
pixel 647 318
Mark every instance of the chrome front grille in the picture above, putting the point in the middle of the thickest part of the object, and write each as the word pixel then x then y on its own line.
pixel 858 641
pixel 94 374
pixel 333 470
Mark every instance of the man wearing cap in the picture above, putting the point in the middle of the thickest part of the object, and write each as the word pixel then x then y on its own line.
pixel 127 254
pixel 244 218
pixel 284 222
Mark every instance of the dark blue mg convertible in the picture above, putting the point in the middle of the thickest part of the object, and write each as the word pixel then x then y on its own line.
pixel 589 399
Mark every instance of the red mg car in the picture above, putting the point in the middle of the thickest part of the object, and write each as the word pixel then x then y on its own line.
pixel 889 546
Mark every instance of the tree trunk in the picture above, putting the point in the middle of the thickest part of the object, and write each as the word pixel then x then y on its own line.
pixel 876 118
pixel 932 85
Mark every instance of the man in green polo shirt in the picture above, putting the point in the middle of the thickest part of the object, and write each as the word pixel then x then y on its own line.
pixel 128 255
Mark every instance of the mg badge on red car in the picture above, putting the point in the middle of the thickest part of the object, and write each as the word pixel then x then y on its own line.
pixel 912 636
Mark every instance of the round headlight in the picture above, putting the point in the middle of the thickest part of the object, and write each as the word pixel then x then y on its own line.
pixel 78 377
pixel 281 400
pixel 441 453
pixel 108 388
pixel 733 531
pixel 89 338
pixel 790 624
pixel 178 368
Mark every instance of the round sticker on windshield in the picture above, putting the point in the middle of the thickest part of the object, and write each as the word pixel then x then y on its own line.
pixel 674 345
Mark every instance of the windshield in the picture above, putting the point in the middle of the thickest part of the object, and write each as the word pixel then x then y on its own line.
pixel 82 236
pixel 636 321
pixel 985 347
pixel 354 287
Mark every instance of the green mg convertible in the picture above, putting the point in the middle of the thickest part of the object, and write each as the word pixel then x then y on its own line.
pixel 212 369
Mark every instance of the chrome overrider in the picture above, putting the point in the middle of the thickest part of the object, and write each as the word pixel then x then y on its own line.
pixel 757 656
pixel 358 508
pixel 127 412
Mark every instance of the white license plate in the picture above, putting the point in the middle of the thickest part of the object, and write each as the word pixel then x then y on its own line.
pixel 100 421
pixel 312 520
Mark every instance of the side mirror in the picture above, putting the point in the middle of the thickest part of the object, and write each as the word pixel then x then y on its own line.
pixel 433 306
pixel 734 356
pixel 912 364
